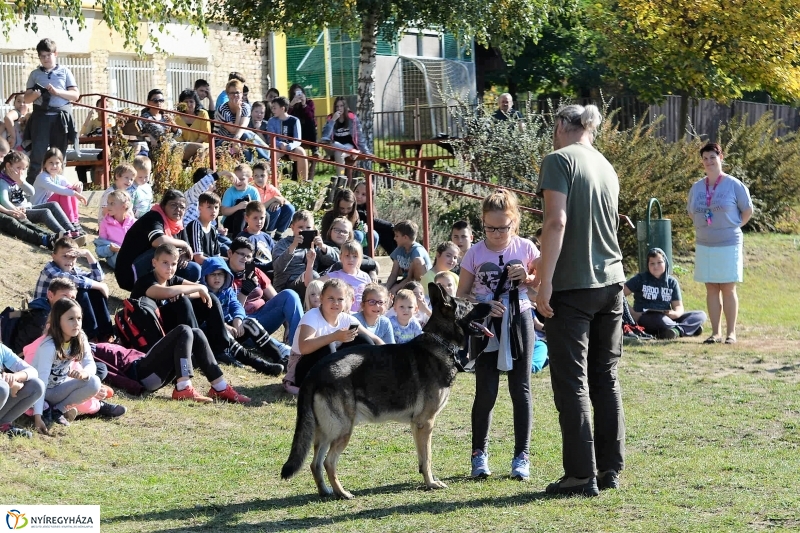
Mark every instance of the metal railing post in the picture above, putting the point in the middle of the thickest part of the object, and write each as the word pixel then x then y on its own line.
pixel 212 150
pixel 426 239
pixel 273 160
pixel 370 215
pixel 106 178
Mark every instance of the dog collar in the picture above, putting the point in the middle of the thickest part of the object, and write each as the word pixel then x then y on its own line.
pixel 449 346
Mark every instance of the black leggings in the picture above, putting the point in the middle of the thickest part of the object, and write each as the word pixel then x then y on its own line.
pixel 194 313
pixel 174 357
pixel 307 362
pixel 487 384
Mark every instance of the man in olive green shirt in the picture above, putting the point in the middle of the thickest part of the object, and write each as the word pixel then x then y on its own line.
pixel 580 295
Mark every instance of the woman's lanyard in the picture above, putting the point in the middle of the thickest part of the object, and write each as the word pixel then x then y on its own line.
pixel 709 196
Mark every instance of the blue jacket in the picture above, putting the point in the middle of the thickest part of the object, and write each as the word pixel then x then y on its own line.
pixel 231 307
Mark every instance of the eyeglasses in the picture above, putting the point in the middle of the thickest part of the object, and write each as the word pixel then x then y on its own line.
pixel 503 229
pixel 340 231
pixel 245 256
pixel 159 101
pixel 376 302
pixel 176 206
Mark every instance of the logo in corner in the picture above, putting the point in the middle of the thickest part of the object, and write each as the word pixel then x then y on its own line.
pixel 16 519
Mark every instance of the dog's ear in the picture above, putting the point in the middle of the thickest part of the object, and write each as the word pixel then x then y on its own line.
pixel 437 295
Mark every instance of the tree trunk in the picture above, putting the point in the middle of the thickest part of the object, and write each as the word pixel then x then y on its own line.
pixel 683 118
pixel 366 76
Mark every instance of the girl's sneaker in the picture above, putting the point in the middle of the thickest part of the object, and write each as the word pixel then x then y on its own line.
pixel 480 464
pixel 189 393
pixel 521 467
pixel 228 395
pixel 14 431
pixel 79 236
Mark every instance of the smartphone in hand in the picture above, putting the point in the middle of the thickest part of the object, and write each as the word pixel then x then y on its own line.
pixel 249 269
pixel 353 327
pixel 308 238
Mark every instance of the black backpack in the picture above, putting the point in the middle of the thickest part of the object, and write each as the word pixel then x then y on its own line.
pixel 139 324
pixel 20 327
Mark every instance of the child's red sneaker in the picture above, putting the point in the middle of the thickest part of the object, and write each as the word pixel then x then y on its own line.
pixel 228 395
pixel 189 393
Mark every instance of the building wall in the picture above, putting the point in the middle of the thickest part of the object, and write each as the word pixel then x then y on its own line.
pixel 221 52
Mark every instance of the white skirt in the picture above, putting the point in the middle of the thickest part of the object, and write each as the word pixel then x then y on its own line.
pixel 719 264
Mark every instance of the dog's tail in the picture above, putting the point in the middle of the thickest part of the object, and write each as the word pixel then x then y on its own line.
pixel 303 433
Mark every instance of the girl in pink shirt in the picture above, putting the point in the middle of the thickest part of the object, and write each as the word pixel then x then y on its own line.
pixel 114 226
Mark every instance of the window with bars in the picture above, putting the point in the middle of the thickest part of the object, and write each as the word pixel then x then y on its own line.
pixel 181 74
pixel 13 76
pixel 81 68
pixel 130 79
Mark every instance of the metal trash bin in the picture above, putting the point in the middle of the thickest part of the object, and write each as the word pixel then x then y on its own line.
pixel 654 233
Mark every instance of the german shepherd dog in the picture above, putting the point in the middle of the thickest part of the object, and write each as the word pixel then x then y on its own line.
pixel 402 382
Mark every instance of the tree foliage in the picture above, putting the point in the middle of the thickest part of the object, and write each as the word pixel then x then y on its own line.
pixel 710 49
pixel 123 17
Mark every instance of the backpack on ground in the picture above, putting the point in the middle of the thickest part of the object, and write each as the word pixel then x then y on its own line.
pixel 139 323
pixel 19 327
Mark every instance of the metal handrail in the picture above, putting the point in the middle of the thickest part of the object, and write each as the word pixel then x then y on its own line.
pixel 419 170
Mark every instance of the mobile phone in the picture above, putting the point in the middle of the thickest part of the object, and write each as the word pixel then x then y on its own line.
pixel 249 269
pixel 37 87
pixel 353 327
pixel 308 238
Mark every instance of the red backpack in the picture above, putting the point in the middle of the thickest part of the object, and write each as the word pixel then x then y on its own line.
pixel 139 323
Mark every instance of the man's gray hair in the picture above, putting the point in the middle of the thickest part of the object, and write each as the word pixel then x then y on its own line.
pixel 576 117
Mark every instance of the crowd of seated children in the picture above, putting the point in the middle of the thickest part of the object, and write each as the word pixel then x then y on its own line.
pixel 254 216
pixel 92 292
pixel 189 303
pixel 445 260
pixel 341 231
pixel 657 303
pixel 258 296
pixel 410 260
pixel 51 186
pixel 114 226
pixel 144 191
pixel 279 211
pixel 289 257
pixel 217 277
pixel 324 330
pixel 124 176
pixel 14 193
pixel 236 198
pixel 201 233
pixel 374 301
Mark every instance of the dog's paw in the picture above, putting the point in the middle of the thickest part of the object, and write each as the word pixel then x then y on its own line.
pixel 436 484
pixel 344 495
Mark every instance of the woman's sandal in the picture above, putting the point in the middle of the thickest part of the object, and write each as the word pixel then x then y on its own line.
pixel 730 340
pixel 713 340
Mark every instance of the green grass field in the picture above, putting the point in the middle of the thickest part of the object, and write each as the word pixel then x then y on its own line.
pixel 713 444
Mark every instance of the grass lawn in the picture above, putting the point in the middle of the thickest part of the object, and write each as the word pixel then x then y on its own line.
pixel 713 444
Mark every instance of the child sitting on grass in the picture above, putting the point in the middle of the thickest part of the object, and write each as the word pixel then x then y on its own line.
pixel 201 233
pixel 254 216
pixel 64 343
pixel 374 301
pixel 279 211
pixel 52 186
pixel 20 389
pixel 410 260
pixel 92 292
pixel 124 175
pixel 404 325
pixel 218 278
pixel 323 331
pixel 114 226
pixel 350 258
pixel 313 292
pixel 144 191
pixel 446 260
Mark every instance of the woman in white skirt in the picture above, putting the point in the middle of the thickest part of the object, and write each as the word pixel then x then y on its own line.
pixel 719 205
